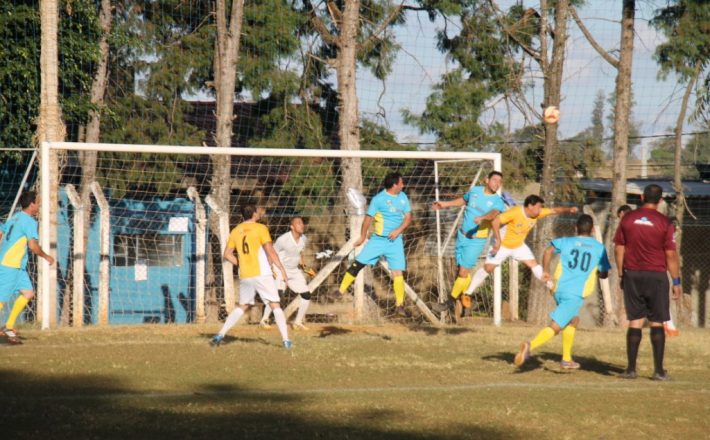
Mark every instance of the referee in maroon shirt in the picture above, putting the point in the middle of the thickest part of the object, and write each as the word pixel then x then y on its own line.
pixel 645 250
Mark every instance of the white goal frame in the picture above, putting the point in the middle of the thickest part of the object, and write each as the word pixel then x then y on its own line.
pixel 47 292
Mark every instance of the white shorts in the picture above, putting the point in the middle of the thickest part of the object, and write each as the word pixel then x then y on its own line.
pixel 520 253
pixel 264 285
pixel 296 281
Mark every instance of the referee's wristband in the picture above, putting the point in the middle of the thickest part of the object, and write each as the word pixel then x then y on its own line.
pixel 676 281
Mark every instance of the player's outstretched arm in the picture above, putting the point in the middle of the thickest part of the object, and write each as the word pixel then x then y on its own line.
pixel 228 255
pixel 565 210
pixel 490 215
pixel 37 250
pixel 448 203
pixel 405 224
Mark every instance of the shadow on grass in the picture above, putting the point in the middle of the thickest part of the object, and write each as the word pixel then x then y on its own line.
pixel 588 363
pixel 234 339
pixel 434 331
pixel 332 330
pixel 96 406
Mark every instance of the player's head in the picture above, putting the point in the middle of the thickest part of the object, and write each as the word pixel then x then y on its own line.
pixel 393 182
pixel 29 201
pixel 585 224
pixel 494 181
pixel 297 225
pixel 623 209
pixel 533 205
pixel 652 194
pixel 250 211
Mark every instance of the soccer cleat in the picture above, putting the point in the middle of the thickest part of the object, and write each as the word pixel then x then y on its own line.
pixel 523 355
pixel 628 375
pixel 264 324
pixel 661 376
pixel 298 326
pixel 336 296
pixel 216 340
pixel 670 330
pixel 288 344
pixel 466 301
pixel 400 312
pixel 569 365
pixel 12 337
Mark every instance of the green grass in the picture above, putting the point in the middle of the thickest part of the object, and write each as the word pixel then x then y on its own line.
pixel 345 382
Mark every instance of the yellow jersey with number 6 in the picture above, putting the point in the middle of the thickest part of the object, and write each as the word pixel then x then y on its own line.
pixel 248 238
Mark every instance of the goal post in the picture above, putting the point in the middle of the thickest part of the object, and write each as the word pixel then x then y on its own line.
pixel 163 255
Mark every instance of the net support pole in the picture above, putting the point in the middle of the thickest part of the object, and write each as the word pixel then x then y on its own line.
pixel 513 288
pixel 359 284
pixel 227 267
pixel 104 252
pixel 45 286
pixel 200 256
pixel 439 250
pixel 497 272
pixel 78 257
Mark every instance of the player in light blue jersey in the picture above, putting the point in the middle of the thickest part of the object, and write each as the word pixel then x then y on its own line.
pixel 18 234
pixel 482 204
pixel 575 278
pixel 391 212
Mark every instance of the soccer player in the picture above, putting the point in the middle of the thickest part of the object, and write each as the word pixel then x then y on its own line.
pixel 19 234
pixel 518 222
pixel 645 250
pixel 575 277
pixel 392 214
pixel 483 204
pixel 290 248
pixel 256 254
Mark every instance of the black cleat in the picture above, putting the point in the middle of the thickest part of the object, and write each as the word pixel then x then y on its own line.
pixel 628 375
pixel 661 376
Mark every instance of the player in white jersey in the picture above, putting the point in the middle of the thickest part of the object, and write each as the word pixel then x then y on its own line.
pixel 290 248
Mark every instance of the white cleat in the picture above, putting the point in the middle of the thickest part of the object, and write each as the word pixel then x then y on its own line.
pixel 264 324
pixel 298 326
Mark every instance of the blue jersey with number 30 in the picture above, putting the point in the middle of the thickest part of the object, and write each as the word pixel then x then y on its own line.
pixel 580 258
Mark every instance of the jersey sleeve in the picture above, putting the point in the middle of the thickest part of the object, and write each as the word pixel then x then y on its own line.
pixel 499 205
pixel 669 241
pixel 544 212
pixel 619 237
pixel 31 230
pixel 232 240
pixel 264 236
pixel 372 207
pixel 467 196
pixel 604 265
pixel 557 244
pixel 279 243
pixel 507 216
pixel 407 206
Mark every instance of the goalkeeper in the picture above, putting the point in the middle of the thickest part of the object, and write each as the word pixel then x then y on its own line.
pixel 290 248
pixel 392 213
pixel 483 204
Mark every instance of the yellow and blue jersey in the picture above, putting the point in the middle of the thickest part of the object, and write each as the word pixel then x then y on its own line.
pixel 388 211
pixel 580 258
pixel 16 234
pixel 478 203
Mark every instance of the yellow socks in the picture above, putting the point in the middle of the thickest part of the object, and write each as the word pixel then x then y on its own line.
pixel 567 341
pixel 20 304
pixel 347 281
pixel 398 285
pixel 460 285
pixel 545 335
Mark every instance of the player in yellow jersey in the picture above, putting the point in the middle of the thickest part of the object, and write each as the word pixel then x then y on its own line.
pixel 518 222
pixel 255 255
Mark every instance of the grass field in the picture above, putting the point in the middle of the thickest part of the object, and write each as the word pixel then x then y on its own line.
pixel 345 382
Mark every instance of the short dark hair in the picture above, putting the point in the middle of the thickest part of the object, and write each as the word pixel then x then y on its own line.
pixel 652 193
pixel 585 224
pixel 248 210
pixel 495 173
pixel 532 199
pixel 27 198
pixel 391 179
pixel 623 209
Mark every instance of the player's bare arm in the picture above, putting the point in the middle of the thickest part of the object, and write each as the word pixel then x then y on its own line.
pixel 405 224
pixel 674 269
pixel 37 250
pixel 619 258
pixel 228 255
pixel 546 259
pixel 565 210
pixel 495 226
pixel 363 231
pixel 274 259
pixel 489 216
pixel 448 203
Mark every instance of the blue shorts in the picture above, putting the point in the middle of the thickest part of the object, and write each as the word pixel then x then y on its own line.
pixel 12 281
pixel 568 306
pixel 468 250
pixel 378 246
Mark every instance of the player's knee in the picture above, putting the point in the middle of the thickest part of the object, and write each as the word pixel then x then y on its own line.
pixel 355 268
pixel 574 322
pixel 306 296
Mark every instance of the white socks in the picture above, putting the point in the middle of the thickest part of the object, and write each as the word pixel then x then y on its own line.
pixel 478 278
pixel 280 319
pixel 267 313
pixel 302 307
pixel 231 320
pixel 537 272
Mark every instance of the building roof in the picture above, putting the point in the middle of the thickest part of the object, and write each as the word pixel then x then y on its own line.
pixel 692 188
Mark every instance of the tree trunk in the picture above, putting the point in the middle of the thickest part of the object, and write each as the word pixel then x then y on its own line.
pixel 225 70
pixel 621 143
pixel 50 128
pixel 538 300
pixel 680 203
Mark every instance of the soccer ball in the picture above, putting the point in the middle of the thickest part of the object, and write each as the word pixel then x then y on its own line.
pixel 551 115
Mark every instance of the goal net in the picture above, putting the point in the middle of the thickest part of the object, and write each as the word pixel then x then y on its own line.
pixel 140 239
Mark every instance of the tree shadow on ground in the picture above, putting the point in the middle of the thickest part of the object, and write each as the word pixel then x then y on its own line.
pixel 588 363
pixel 434 331
pixel 99 406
